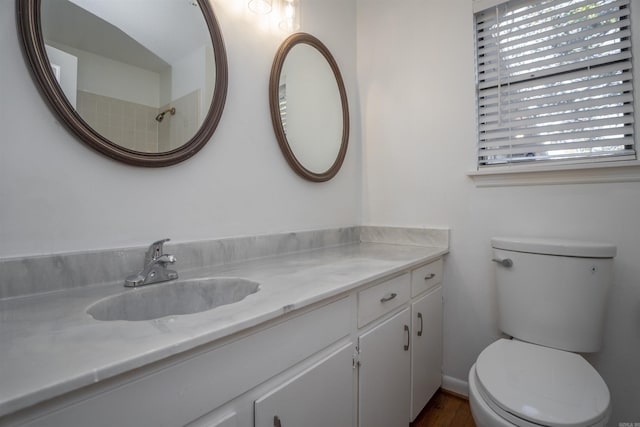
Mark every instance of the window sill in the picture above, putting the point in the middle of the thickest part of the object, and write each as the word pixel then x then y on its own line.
pixel 625 171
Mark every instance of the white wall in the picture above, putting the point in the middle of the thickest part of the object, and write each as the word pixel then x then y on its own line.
pixel 188 75
pixel 104 76
pixel 68 66
pixel 314 110
pixel 57 195
pixel 416 80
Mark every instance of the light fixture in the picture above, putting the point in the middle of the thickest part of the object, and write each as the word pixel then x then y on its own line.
pixel 290 15
pixel 261 7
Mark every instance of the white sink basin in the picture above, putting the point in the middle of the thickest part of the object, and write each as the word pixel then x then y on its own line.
pixel 173 298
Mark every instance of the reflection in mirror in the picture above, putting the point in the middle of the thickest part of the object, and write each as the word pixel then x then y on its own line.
pixel 309 107
pixel 142 81
pixel 127 73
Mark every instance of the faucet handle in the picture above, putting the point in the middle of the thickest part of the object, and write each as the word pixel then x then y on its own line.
pixel 155 251
pixel 166 259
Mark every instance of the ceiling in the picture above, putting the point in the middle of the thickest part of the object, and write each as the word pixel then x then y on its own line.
pixel 150 34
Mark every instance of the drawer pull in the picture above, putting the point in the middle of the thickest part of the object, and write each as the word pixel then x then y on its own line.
pixel 431 276
pixel 421 325
pixel 388 297
pixel 406 346
pixel 276 421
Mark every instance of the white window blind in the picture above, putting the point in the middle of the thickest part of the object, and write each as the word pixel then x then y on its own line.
pixel 554 82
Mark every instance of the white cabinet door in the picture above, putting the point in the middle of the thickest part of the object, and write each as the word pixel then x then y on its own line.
pixel 384 381
pixel 321 396
pixel 426 351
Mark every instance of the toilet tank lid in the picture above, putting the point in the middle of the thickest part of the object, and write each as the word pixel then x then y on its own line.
pixel 560 247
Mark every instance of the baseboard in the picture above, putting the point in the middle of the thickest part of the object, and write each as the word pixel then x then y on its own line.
pixel 455 386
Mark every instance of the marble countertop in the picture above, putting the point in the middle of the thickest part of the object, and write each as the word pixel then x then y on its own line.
pixel 51 346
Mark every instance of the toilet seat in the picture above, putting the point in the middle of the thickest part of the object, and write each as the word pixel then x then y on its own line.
pixel 531 384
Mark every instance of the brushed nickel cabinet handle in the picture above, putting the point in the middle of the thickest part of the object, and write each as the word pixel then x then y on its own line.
pixel 388 297
pixel 406 346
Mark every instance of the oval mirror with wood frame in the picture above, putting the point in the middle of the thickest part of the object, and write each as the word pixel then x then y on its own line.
pixel 143 82
pixel 309 109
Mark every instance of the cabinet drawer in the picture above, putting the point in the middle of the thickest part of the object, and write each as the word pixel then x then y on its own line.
pixel 382 298
pixel 426 277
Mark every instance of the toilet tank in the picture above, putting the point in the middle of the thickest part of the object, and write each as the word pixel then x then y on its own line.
pixel 554 292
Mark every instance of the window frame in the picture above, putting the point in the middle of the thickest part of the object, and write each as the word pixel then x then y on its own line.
pixel 554 172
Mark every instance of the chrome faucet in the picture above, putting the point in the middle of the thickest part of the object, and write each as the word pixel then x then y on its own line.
pixel 155 267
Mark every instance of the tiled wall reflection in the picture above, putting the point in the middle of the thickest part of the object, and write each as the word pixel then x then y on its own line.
pixel 129 124
pixel 177 129
pixel 134 126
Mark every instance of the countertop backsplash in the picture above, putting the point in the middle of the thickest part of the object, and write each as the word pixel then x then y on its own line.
pixel 49 273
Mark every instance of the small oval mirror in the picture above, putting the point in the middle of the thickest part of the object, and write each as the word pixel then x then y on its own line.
pixel 143 81
pixel 309 108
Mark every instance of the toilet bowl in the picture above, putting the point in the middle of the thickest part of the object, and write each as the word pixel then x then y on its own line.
pixel 552 297
pixel 515 383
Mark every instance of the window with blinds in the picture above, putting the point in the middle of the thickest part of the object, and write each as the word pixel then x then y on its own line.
pixel 554 82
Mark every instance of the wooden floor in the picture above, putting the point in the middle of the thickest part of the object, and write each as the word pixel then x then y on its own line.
pixel 445 410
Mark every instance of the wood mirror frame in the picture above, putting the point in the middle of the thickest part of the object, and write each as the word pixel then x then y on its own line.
pixel 274 84
pixel 29 23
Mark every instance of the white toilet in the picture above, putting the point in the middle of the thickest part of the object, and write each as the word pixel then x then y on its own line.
pixel 552 296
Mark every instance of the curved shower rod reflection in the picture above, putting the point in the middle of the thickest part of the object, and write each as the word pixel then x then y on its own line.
pixel 160 116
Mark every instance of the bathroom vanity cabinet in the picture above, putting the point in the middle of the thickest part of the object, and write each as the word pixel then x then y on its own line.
pixel 385 373
pixel 320 396
pixel 426 351
pixel 178 391
pixel 400 358
pixel 397 356
pixel 368 357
